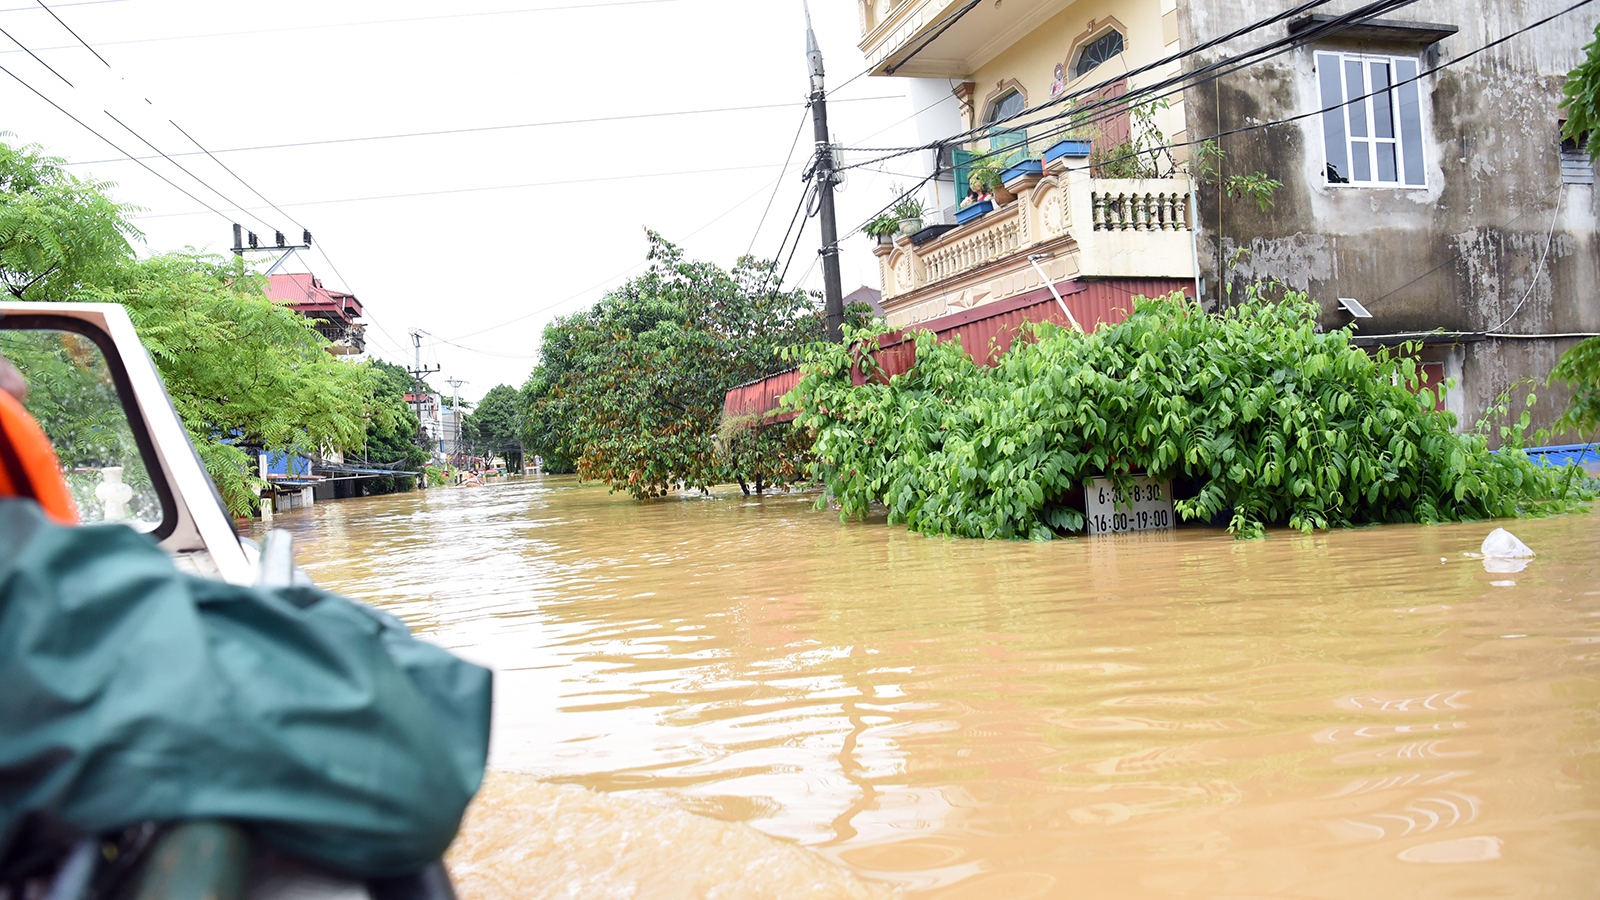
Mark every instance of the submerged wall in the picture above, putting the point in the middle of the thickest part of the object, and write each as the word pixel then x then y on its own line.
pixel 1479 248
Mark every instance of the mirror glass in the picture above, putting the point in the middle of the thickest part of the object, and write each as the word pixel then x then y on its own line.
pixel 72 394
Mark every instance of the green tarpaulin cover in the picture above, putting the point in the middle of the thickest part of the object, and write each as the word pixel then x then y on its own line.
pixel 130 692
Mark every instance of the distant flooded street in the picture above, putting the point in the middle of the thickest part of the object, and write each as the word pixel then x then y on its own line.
pixel 1362 713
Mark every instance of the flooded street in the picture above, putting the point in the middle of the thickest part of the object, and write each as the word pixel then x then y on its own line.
pixel 1361 713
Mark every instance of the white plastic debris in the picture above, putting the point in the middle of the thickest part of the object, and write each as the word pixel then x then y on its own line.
pixel 1503 553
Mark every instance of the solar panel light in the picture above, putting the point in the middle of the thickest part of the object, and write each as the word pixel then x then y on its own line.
pixel 1354 307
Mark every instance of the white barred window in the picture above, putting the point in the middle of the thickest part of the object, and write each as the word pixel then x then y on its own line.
pixel 1371 120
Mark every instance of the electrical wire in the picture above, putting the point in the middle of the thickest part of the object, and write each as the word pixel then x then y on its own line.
pixel 329 25
pixel 236 176
pixel 37 59
pixel 113 145
pixel 568 299
pixel 179 166
pixel 479 129
pixel 1549 241
pixel 497 187
pixel 78 3
pixel 71 32
pixel 948 23
pixel 778 184
pixel 1267 124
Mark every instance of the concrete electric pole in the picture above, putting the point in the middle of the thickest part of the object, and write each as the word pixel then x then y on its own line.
pixel 455 406
pixel 832 290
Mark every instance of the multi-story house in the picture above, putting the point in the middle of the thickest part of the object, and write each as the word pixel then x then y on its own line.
pixel 333 313
pixel 1426 194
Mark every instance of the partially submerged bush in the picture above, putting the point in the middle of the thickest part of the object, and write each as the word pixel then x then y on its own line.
pixel 1277 423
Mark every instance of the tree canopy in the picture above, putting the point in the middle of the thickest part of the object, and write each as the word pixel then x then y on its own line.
pixel 495 427
pixel 241 369
pixel 632 390
pixel 1582 98
pixel 1274 422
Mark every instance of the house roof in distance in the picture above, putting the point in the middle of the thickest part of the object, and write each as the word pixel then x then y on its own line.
pixel 870 296
pixel 304 293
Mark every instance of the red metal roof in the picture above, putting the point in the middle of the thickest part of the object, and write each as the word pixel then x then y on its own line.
pixel 989 329
pixel 304 293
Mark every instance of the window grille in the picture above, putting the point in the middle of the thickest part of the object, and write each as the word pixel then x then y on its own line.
pixel 1098 51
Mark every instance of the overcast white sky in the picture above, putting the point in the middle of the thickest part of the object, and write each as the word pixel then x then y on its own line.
pixel 458 265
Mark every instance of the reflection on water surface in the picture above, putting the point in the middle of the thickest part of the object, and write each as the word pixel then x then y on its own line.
pixel 1362 713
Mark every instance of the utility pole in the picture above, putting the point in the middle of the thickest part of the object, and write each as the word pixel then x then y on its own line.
pixel 455 406
pixel 284 248
pixel 416 372
pixel 832 290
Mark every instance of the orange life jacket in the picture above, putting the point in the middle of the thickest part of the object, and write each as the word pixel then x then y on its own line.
pixel 28 466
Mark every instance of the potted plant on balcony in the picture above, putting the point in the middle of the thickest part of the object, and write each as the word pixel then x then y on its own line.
pixel 884 227
pixel 909 214
pixel 1076 141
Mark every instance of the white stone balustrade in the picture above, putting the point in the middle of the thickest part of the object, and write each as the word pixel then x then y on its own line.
pixel 1086 227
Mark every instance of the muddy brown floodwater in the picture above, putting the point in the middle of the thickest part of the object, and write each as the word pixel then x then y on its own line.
pixel 731 697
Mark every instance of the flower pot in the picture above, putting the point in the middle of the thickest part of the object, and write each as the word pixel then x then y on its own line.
pixel 973 212
pixel 1028 168
pixel 1072 148
pixel 910 226
pixel 885 240
pixel 1002 195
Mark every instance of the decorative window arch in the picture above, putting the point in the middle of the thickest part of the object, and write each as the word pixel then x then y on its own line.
pixel 1003 104
pixel 1098 50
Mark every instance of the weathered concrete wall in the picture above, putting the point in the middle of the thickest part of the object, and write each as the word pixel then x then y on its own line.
pixel 1460 254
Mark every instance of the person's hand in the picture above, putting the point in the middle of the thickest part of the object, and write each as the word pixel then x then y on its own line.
pixel 11 380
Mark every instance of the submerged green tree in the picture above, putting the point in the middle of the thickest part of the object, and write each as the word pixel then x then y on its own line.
pixel 632 390
pixel 495 426
pixel 241 369
pixel 1275 423
pixel 392 441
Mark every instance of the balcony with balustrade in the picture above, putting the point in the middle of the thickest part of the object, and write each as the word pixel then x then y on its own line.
pixel 1060 225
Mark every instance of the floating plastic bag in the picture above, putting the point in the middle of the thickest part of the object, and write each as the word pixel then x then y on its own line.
pixel 1503 553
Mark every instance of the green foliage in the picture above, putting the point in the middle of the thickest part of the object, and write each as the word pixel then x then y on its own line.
pixel 392 440
pixel 885 224
pixel 908 208
pixel 1582 103
pixel 1256 186
pixel 1142 155
pixel 240 368
pixel 1280 425
pixel 632 390
pixel 57 232
pixel 1580 368
pixel 495 427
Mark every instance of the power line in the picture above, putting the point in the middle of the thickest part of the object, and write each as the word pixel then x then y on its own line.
pixel 471 15
pixel 179 167
pixel 492 128
pixel 499 187
pixel 37 59
pixel 236 177
pixel 71 32
pixel 79 3
pixel 549 306
pixel 776 185
pixel 112 144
